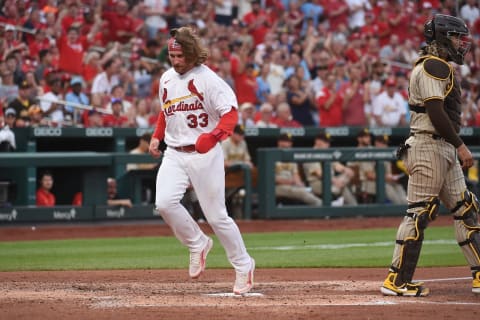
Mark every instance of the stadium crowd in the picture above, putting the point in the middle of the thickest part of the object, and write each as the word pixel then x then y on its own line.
pixel 291 63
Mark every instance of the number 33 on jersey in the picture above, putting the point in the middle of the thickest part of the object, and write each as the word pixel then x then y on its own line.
pixel 193 103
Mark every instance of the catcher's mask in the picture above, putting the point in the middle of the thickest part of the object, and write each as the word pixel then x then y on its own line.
pixel 451 33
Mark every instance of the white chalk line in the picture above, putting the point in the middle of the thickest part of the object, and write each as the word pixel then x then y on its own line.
pixel 445 279
pixel 231 294
pixel 332 246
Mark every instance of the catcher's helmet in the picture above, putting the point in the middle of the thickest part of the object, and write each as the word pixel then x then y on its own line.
pixel 443 28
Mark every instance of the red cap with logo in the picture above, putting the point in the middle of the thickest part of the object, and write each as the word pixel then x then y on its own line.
pixel 390 82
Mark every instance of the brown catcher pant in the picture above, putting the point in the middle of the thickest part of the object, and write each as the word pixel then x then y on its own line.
pixel 434 171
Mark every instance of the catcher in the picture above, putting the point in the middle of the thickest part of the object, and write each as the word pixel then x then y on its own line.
pixel 434 156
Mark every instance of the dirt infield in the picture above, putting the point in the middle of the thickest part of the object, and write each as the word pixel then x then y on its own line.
pixel 279 293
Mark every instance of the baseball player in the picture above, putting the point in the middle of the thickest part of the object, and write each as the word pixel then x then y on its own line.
pixel 434 156
pixel 199 110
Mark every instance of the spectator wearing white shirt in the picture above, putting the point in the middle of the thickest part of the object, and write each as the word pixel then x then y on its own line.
pixel 104 81
pixel 246 114
pixel 470 12
pixel 7 137
pixel 277 75
pixel 388 108
pixel 54 111
pixel 357 10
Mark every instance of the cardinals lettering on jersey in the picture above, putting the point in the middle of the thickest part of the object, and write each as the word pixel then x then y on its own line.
pixel 178 104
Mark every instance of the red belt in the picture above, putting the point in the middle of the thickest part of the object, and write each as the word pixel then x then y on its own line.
pixel 189 149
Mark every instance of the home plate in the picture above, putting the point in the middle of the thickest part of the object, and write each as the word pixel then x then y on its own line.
pixel 231 294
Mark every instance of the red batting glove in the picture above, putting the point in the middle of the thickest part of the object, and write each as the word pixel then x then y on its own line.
pixel 207 141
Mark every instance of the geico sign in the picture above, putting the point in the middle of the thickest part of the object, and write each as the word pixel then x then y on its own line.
pixel 99 132
pixel 47 132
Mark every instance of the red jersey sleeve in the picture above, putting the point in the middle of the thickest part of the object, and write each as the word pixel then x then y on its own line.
pixel 159 132
pixel 228 121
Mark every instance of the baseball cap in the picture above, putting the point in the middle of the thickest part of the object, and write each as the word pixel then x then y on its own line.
pixel 427 5
pixel 285 137
pixel 24 85
pixel 9 27
pixel 76 80
pixel 390 82
pixel 10 112
pixel 239 129
pixel 382 138
pixel 364 132
pixel 246 105
pixel 116 100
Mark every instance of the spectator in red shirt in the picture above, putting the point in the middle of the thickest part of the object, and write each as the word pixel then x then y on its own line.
pixel 401 19
pixel 337 13
pixel 71 52
pixel 117 118
pixel 44 195
pixel 257 21
pixel 295 17
pixel 426 13
pixel 10 41
pixel 383 26
pixel 353 97
pixel 354 51
pixel 371 27
pixel 71 17
pixel 10 13
pixel 39 43
pixel 120 23
pixel 284 117
pixel 92 119
pixel 246 85
pixel 330 103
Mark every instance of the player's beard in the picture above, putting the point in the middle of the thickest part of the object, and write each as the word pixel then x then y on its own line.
pixel 182 68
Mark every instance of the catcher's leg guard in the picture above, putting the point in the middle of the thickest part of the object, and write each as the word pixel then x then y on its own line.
pixel 407 249
pixel 421 213
pixel 467 232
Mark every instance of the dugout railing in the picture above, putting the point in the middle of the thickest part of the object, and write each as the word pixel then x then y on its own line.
pixel 95 168
pixel 267 204
pixel 86 156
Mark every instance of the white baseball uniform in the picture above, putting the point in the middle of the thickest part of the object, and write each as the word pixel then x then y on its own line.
pixel 192 104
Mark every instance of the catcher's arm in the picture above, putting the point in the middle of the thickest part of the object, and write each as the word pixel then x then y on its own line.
pixel 444 127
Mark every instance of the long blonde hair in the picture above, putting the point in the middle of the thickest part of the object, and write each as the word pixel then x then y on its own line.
pixel 191 45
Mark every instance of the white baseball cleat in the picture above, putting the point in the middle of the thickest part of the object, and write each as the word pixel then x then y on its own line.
pixel 198 260
pixel 244 280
